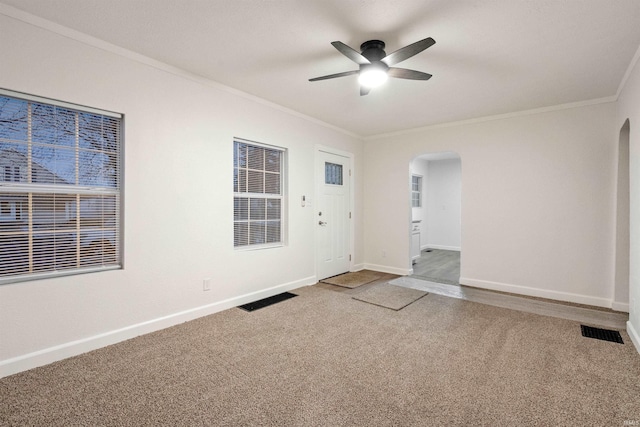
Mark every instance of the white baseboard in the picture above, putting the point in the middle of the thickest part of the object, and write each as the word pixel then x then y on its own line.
pixel 358 267
pixel 74 348
pixel 443 247
pixel 387 269
pixel 620 306
pixel 633 334
pixel 535 292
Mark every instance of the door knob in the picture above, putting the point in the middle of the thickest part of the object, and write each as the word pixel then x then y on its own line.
pixel 322 223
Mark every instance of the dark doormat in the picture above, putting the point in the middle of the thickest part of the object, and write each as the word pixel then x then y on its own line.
pixel 601 334
pixel 252 306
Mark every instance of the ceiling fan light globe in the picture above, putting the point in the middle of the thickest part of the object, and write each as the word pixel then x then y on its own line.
pixel 371 78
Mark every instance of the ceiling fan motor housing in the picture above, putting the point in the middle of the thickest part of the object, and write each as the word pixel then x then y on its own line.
pixel 373 50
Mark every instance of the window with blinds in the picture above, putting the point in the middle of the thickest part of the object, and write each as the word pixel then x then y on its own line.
pixel 59 188
pixel 416 191
pixel 258 194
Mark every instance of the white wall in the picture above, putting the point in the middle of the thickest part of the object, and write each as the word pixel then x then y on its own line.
pixel 538 210
pixel 443 204
pixel 177 196
pixel 628 107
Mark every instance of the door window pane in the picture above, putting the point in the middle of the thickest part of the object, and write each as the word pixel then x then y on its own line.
pixel 332 174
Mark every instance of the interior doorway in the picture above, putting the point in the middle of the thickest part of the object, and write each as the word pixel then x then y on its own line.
pixel 436 209
pixel 621 287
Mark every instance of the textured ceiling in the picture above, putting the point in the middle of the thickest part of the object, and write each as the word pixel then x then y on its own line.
pixel 490 57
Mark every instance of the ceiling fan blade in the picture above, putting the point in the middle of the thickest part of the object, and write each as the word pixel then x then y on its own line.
pixel 408 51
pixel 350 53
pixel 333 76
pixel 364 90
pixel 403 73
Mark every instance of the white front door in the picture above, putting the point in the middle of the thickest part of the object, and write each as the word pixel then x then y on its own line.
pixel 332 215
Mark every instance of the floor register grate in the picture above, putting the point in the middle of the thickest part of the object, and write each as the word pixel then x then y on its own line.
pixel 601 334
pixel 255 305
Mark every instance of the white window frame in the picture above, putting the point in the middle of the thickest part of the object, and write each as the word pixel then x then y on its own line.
pixel 253 195
pixel 33 189
pixel 416 194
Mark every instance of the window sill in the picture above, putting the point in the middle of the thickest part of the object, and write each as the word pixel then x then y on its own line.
pixel 258 247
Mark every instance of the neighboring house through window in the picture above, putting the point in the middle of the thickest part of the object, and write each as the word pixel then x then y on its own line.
pixel 258 188
pixel 14 173
pixel 59 188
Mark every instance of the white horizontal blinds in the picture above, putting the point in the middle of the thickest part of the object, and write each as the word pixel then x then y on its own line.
pixel 59 188
pixel 257 194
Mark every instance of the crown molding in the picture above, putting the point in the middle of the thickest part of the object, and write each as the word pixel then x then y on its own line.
pixel 522 113
pixel 86 39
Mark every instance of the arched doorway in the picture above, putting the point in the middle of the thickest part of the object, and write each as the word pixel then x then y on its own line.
pixel 621 287
pixel 436 193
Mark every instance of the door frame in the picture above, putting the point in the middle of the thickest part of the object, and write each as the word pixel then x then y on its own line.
pixel 622 261
pixel 318 181
pixel 435 156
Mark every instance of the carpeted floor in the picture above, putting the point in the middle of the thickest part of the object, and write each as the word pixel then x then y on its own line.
pixel 325 359
pixel 353 279
pixel 389 296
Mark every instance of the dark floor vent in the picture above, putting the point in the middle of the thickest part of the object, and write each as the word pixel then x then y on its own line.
pixel 252 306
pixel 601 334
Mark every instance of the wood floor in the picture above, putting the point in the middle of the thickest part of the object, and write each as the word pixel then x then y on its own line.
pixel 436 270
pixel 593 316
pixel 438 265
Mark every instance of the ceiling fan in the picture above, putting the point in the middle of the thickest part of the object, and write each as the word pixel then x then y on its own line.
pixel 376 66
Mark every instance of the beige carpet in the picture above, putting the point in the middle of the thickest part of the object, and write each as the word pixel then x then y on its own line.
pixel 325 359
pixel 389 296
pixel 352 280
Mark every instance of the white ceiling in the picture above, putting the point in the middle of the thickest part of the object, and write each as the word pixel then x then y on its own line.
pixel 491 56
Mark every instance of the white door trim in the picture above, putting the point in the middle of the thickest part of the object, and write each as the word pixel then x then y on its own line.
pixel 318 181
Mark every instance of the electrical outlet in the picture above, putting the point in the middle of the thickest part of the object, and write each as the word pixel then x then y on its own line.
pixel 206 285
pixel 384 254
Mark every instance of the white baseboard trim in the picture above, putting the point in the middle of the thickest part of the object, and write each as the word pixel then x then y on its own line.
pixel 444 248
pixel 535 292
pixel 358 267
pixel 74 348
pixel 387 269
pixel 633 334
pixel 620 306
